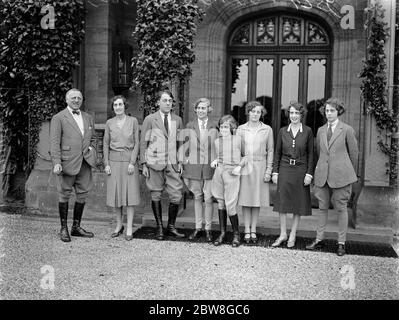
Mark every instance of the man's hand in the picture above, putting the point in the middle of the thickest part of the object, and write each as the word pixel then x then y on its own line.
pixel 146 172
pixel 275 178
pixel 130 169
pixel 107 170
pixel 57 169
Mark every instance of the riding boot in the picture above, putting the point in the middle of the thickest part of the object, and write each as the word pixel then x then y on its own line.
pixel 223 224
pixel 171 229
pixel 157 210
pixel 236 232
pixel 77 230
pixel 63 211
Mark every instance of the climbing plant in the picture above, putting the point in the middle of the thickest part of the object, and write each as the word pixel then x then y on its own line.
pixel 165 34
pixel 374 85
pixel 39 48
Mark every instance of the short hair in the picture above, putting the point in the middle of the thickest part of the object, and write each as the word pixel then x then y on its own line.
pixel 252 104
pixel 230 119
pixel 116 98
pixel 335 103
pixel 202 100
pixel 297 106
pixel 159 94
pixel 71 90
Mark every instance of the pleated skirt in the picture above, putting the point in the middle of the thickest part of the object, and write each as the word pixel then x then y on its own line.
pixel 122 189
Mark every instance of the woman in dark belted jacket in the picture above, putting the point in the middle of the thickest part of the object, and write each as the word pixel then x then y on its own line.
pixel 293 173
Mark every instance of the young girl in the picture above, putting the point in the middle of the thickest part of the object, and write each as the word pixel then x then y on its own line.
pixel 226 180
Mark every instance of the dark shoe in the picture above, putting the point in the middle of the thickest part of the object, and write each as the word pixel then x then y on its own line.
pixel 157 210
pixel 170 229
pixel 247 237
pixel 196 234
pixel 254 238
pixel 76 230
pixel 219 240
pixel 341 250
pixel 117 234
pixel 222 223
pixel 236 233
pixel 64 234
pixel 128 238
pixel 208 235
pixel 315 245
pixel 63 212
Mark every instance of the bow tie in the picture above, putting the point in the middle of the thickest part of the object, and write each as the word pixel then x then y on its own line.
pixel 77 112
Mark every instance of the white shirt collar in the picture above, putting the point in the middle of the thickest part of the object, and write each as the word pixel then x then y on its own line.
pixel 300 127
pixel 70 111
pixel 202 121
pixel 333 125
pixel 164 114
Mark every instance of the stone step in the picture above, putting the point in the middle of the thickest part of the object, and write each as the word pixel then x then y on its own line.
pixel 268 223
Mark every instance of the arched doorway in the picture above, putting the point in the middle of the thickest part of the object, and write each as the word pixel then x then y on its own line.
pixel 277 58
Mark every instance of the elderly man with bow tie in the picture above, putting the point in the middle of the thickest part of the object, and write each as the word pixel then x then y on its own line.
pixel 73 155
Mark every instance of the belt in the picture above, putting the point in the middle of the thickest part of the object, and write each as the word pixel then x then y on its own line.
pixel 294 162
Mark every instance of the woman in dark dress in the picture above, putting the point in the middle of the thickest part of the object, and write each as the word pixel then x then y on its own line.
pixel 293 173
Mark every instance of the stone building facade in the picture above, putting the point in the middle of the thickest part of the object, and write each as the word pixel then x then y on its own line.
pixel 273 51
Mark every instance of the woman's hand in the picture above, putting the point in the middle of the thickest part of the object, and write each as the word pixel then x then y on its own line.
pixel 214 163
pixel 146 172
pixel 236 171
pixel 266 177
pixel 130 169
pixel 107 170
pixel 307 180
pixel 275 178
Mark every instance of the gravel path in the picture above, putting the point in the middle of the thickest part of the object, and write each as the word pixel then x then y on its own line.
pixel 101 268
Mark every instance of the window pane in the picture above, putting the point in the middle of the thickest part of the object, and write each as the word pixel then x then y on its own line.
pixel 316 35
pixel 239 88
pixel 316 93
pixel 264 86
pixel 291 31
pixel 266 31
pixel 289 85
pixel 241 35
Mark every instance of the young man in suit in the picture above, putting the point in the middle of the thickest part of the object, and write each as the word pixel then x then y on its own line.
pixel 158 155
pixel 73 155
pixel 337 151
pixel 198 153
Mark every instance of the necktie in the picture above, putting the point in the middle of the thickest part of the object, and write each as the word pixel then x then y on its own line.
pixel 166 124
pixel 203 130
pixel 77 112
pixel 329 133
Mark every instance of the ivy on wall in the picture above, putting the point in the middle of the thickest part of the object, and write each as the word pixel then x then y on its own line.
pixel 165 34
pixel 36 65
pixel 374 85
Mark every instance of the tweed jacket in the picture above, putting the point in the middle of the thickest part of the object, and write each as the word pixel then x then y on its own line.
pixel 198 153
pixel 157 148
pixel 68 146
pixel 337 160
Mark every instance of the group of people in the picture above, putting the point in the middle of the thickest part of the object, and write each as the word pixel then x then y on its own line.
pixel 215 160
